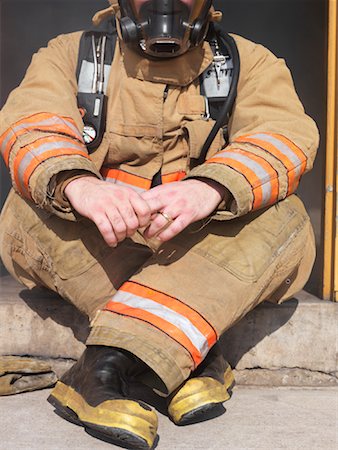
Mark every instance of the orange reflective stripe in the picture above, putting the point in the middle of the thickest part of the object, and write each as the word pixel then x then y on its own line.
pixel 126 178
pixel 38 122
pixel 32 155
pixel 248 174
pixel 176 305
pixel 298 151
pixel 168 328
pixel 291 156
pixel 10 139
pixel 259 173
pixel 171 177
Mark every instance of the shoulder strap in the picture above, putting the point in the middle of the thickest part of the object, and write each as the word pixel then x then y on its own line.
pixel 219 84
pixel 96 53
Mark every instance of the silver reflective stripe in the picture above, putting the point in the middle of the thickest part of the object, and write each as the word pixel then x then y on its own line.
pixel 121 183
pixel 50 121
pixel 86 76
pixel 259 171
pixel 250 163
pixel 5 142
pixel 31 154
pixel 280 146
pixel 266 194
pixel 176 319
pixel 298 170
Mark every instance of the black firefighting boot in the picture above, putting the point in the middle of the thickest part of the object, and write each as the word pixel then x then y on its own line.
pixel 94 393
pixel 208 387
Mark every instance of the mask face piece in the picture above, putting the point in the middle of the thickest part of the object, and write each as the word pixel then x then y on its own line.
pixel 164 28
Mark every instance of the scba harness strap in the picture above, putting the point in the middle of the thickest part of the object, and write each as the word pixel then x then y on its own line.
pixel 218 83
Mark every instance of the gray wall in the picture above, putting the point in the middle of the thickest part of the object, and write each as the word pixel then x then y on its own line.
pixel 293 29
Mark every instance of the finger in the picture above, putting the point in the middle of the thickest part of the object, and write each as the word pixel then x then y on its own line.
pixel 105 228
pixel 142 210
pixel 118 224
pixel 158 224
pixel 155 201
pixel 174 228
pixel 130 219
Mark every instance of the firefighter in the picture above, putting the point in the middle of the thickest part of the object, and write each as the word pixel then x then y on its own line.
pixel 163 250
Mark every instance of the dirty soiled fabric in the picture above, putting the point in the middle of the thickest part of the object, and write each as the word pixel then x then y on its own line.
pixel 169 305
pixel 19 374
pixel 155 122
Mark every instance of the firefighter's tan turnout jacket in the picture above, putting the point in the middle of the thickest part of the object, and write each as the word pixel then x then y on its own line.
pixel 272 142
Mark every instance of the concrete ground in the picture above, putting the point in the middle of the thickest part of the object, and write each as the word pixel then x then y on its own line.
pixel 256 418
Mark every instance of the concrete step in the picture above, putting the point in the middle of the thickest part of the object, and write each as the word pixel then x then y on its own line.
pixel 259 418
pixel 291 344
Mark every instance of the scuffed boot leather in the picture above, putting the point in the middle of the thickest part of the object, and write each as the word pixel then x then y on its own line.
pixel 94 393
pixel 208 387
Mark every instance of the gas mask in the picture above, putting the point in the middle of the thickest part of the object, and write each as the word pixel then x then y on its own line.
pixel 164 28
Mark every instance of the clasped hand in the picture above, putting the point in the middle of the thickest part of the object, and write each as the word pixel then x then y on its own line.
pixel 119 211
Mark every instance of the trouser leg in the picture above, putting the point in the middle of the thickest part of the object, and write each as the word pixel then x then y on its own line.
pixel 202 282
pixel 171 307
pixel 69 258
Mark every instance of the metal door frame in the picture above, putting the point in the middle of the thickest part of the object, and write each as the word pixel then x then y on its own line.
pixel 330 269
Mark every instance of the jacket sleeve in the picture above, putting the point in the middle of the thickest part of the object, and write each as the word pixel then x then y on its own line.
pixel 41 126
pixel 272 141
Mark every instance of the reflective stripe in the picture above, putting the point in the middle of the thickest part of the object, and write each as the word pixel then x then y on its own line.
pixel 178 320
pixel 32 155
pixel 6 143
pixel 176 305
pixel 139 184
pixel 181 322
pixel 172 177
pixel 291 156
pixel 161 324
pixel 262 177
pixel 281 146
pixel 38 122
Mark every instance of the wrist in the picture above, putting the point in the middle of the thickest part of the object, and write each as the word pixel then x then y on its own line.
pixel 223 193
pixel 77 184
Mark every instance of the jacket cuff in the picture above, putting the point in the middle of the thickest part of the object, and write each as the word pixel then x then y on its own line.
pixel 58 202
pixel 44 183
pixel 241 193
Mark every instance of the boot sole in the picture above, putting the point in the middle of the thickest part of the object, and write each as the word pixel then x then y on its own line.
pixel 122 422
pixel 193 404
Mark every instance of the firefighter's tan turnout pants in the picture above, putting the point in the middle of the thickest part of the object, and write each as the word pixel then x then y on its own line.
pixel 167 307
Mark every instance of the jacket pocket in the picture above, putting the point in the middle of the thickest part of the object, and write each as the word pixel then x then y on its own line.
pixel 74 248
pixel 133 143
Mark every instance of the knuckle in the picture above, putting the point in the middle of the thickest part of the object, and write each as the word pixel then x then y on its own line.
pixel 103 226
pixel 133 223
pixel 120 227
pixel 182 221
pixel 176 228
pixel 129 215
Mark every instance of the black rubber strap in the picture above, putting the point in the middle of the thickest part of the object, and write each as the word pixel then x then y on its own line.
pixel 227 45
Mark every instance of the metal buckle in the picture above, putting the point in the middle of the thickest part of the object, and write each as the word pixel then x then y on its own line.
pixel 206 115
